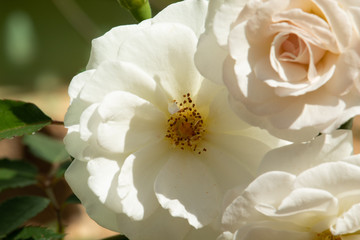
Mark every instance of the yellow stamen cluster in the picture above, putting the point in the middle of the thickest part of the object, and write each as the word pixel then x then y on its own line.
pixel 186 126
pixel 326 235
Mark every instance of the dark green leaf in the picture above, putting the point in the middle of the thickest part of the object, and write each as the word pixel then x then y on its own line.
pixel 72 199
pixel 37 233
pixel 117 237
pixel 16 174
pixel 46 148
pixel 62 168
pixel 347 125
pixel 16 211
pixel 18 118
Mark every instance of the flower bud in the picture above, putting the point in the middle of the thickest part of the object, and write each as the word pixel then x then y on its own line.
pixel 140 9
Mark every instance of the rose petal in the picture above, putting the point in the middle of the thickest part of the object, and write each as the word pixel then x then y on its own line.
pixel 121 76
pixel 186 187
pixel 334 177
pixel 137 178
pixel 77 176
pixel 160 225
pixel 103 181
pixel 349 222
pixel 129 122
pixel 176 72
pixel 298 157
pixel 190 13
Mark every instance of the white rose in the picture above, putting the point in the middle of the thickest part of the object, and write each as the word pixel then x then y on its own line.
pixel 156 145
pixel 293 64
pixel 318 203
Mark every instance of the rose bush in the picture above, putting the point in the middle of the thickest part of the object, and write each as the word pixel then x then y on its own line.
pixel 317 199
pixel 291 66
pixel 155 144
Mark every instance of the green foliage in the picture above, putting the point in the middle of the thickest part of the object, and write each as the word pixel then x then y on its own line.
pixel 36 233
pixel 46 148
pixel 62 168
pixel 16 211
pixel 72 199
pixel 347 125
pixel 18 118
pixel 117 237
pixel 16 174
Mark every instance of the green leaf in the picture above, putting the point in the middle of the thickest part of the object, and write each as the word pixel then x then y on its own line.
pixel 19 118
pixel 347 125
pixel 46 148
pixel 16 211
pixel 37 233
pixel 16 174
pixel 72 199
pixel 117 237
pixel 62 169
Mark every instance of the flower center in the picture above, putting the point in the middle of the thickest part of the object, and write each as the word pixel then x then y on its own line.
pixel 185 125
pixel 326 235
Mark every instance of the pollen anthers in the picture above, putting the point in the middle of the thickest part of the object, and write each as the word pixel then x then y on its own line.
pixel 185 125
pixel 326 235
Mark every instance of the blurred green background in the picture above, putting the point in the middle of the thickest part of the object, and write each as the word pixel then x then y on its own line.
pixel 44 43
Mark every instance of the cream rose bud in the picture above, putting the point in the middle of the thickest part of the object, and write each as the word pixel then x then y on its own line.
pixel 156 145
pixel 318 199
pixel 291 66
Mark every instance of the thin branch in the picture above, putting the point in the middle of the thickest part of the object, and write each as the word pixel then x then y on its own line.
pixel 57 122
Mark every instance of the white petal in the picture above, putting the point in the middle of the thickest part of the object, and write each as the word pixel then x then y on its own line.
pixel 304 207
pixel 160 225
pixel 129 122
pixel 208 62
pixel 137 178
pixel 334 177
pixel 105 47
pixel 78 82
pixel 338 20
pixel 206 232
pixel 298 157
pixel 190 13
pixel 252 232
pixel 121 76
pixel 186 187
pixel 349 222
pixel 103 181
pixel 77 176
pixel 168 57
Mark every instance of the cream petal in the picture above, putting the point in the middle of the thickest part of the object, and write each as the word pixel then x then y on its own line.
pixel 160 225
pixel 298 157
pixel 226 13
pixel 187 189
pixel 137 178
pixel 209 63
pixel 251 232
pixel 349 222
pixel 103 47
pixel 227 168
pixel 78 82
pixel 304 207
pixel 334 177
pixel 338 21
pixel 103 181
pixel 176 72
pixel 206 232
pixel 190 13
pixel 128 122
pixel 239 147
pixel 121 76
pixel 77 176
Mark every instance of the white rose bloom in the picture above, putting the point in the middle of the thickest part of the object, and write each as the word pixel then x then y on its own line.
pixel 155 144
pixel 291 66
pixel 321 202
